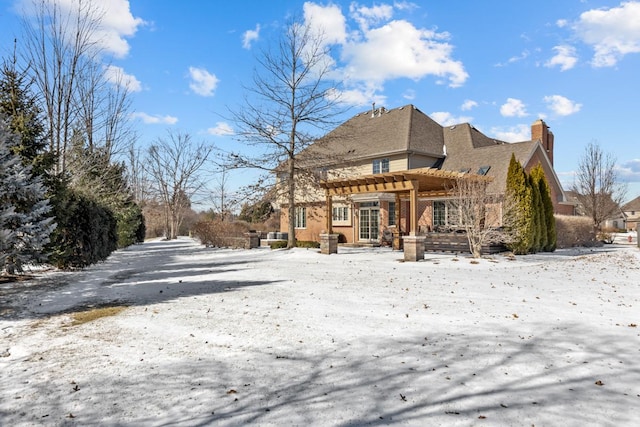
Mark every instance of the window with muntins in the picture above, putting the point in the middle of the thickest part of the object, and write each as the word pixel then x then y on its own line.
pixel 301 217
pixel 392 213
pixel 439 213
pixel 341 213
pixel 381 165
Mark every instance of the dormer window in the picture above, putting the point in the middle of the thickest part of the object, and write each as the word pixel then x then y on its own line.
pixel 381 165
pixel 483 170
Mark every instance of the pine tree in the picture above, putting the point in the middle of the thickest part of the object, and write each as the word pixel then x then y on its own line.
pixel 517 217
pixel 19 104
pixel 549 221
pixel 25 224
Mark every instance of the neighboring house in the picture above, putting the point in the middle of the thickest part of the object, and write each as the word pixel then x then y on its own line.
pixel 631 210
pixel 367 160
pixel 616 220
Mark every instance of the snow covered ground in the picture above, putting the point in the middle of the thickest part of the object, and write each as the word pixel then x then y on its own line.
pixel 236 337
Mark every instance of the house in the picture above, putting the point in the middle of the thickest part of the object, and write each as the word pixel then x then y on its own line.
pixel 387 170
pixel 616 220
pixel 631 211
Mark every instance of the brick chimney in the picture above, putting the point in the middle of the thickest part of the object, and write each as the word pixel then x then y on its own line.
pixel 540 132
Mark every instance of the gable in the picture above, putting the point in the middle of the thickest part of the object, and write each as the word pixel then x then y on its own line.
pixel 632 206
pixel 382 132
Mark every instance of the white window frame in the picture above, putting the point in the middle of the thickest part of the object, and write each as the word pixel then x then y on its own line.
pixel 380 165
pixel 300 217
pixel 340 213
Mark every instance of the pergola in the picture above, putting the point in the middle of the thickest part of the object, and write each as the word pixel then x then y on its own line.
pixel 412 184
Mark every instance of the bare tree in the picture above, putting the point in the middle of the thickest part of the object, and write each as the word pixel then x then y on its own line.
pixel 597 186
pixel 67 62
pixel 476 211
pixel 58 47
pixel 173 164
pixel 291 98
pixel 136 177
pixel 224 201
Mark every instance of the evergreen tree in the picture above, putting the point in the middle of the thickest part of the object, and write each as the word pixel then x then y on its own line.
pixel 536 216
pixel 25 223
pixel 19 104
pixel 549 221
pixel 517 217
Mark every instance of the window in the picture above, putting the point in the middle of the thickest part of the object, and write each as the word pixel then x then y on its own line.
pixel 439 213
pixel 392 213
pixel 445 214
pixel 381 165
pixel 341 213
pixel 301 217
pixel 483 170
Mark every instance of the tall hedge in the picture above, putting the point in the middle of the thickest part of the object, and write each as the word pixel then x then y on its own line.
pixel 86 232
pixel 548 217
pixel 518 215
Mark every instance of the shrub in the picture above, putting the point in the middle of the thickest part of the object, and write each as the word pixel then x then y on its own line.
pixel 307 244
pixel 606 235
pixel 86 232
pixel 574 231
pixel 217 233
pixel 280 244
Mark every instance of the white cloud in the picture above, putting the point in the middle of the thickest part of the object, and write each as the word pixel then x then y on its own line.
pixel 513 108
pixel 468 104
pixel 115 19
pixel 445 118
pixel 629 171
pixel 152 120
pixel 117 76
pixel 398 49
pixel 326 20
pixel 613 33
pixel 516 133
pixel 409 94
pixel 250 36
pixel 565 57
pixel 562 106
pixel 117 23
pixel 221 129
pixel 360 96
pixel 202 83
pixel 524 55
pixel 366 16
pixel 561 23
pixel 376 49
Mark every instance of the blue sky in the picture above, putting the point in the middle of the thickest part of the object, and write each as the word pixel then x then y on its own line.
pixel 499 65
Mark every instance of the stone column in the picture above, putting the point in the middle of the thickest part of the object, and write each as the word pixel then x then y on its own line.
pixel 328 244
pixel 252 240
pixel 413 248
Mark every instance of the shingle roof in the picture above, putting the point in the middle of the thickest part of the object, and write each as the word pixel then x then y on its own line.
pixel 469 149
pixel 383 132
pixel 633 205
pixel 407 129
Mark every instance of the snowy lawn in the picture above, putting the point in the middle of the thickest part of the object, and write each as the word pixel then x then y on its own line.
pixel 231 337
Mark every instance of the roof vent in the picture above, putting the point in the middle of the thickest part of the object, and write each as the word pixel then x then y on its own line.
pixel 452 127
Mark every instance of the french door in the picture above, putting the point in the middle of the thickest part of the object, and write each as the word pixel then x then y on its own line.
pixel 369 223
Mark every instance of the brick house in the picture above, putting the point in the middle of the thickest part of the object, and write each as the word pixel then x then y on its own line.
pixel 631 212
pixel 370 161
